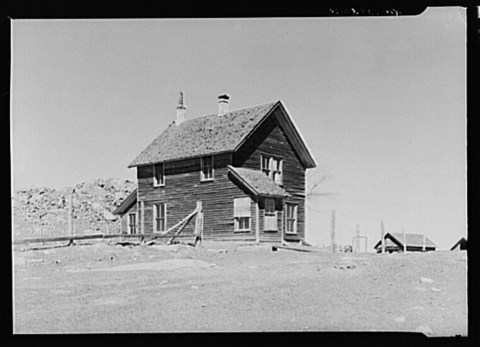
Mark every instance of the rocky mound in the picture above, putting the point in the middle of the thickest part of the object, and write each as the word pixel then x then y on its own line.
pixel 43 212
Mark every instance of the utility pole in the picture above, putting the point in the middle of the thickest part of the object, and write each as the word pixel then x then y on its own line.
pixel 382 233
pixel 332 233
pixel 70 215
pixel 357 237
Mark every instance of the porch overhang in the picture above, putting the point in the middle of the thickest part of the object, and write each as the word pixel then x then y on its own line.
pixel 257 182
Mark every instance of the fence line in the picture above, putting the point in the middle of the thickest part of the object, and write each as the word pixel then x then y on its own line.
pixel 149 236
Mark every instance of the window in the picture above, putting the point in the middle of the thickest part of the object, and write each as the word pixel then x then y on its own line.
pixel 277 171
pixel 206 173
pixel 272 167
pixel 159 217
pixel 265 165
pixel 132 223
pixel 270 220
pixel 242 214
pixel 158 175
pixel 291 218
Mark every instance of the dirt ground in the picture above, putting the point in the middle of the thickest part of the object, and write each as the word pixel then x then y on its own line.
pixel 223 287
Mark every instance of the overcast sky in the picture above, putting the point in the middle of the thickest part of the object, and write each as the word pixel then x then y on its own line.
pixel 380 102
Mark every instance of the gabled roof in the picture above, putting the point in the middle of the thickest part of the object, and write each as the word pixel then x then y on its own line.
pixel 257 182
pixel 216 134
pixel 127 203
pixel 412 240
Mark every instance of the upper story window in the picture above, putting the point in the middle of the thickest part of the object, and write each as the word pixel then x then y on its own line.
pixel 265 165
pixel 206 172
pixel 158 175
pixel 273 168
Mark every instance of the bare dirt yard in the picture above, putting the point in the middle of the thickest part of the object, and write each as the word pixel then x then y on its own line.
pixel 218 287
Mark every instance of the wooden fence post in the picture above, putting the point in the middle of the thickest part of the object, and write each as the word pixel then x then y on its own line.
pixel 70 214
pixel 142 217
pixel 199 224
pixel 257 224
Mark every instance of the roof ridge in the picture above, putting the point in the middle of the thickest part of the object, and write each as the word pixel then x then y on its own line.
pixel 400 233
pixel 233 111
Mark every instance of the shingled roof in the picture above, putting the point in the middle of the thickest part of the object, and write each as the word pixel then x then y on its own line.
pixel 412 240
pixel 257 182
pixel 203 135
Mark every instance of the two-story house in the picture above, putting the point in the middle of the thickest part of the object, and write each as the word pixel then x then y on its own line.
pixel 247 167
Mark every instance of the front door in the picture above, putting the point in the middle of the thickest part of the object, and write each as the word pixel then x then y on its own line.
pixel 270 220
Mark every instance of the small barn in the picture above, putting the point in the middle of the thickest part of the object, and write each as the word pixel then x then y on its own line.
pixel 394 242
pixel 461 245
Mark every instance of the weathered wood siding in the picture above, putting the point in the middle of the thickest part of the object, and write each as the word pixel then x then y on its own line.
pixel 183 189
pixel 270 140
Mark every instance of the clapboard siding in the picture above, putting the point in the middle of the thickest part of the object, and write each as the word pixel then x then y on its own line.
pixel 183 189
pixel 270 140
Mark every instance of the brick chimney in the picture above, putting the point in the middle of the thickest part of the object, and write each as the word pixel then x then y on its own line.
pixel 223 101
pixel 181 109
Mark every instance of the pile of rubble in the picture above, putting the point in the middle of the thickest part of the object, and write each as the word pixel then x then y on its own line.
pixel 43 212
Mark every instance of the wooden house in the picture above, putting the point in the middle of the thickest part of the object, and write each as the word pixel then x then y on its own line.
pixel 247 167
pixel 394 242
pixel 460 245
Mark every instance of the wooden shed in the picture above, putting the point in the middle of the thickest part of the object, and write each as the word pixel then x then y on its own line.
pixel 394 242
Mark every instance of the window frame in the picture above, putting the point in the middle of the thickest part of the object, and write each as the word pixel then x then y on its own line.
pixel 242 219
pixel 131 226
pixel 267 167
pixel 291 218
pixel 203 178
pixel 269 214
pixel 156 182
pixel 157 219
pixel 247 224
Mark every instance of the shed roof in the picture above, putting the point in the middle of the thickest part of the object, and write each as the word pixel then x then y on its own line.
pixel 412 240
pixel 257 182
pixel 127 203
pixel 216 134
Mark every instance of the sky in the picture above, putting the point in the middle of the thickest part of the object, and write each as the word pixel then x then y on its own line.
pixel 380 102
